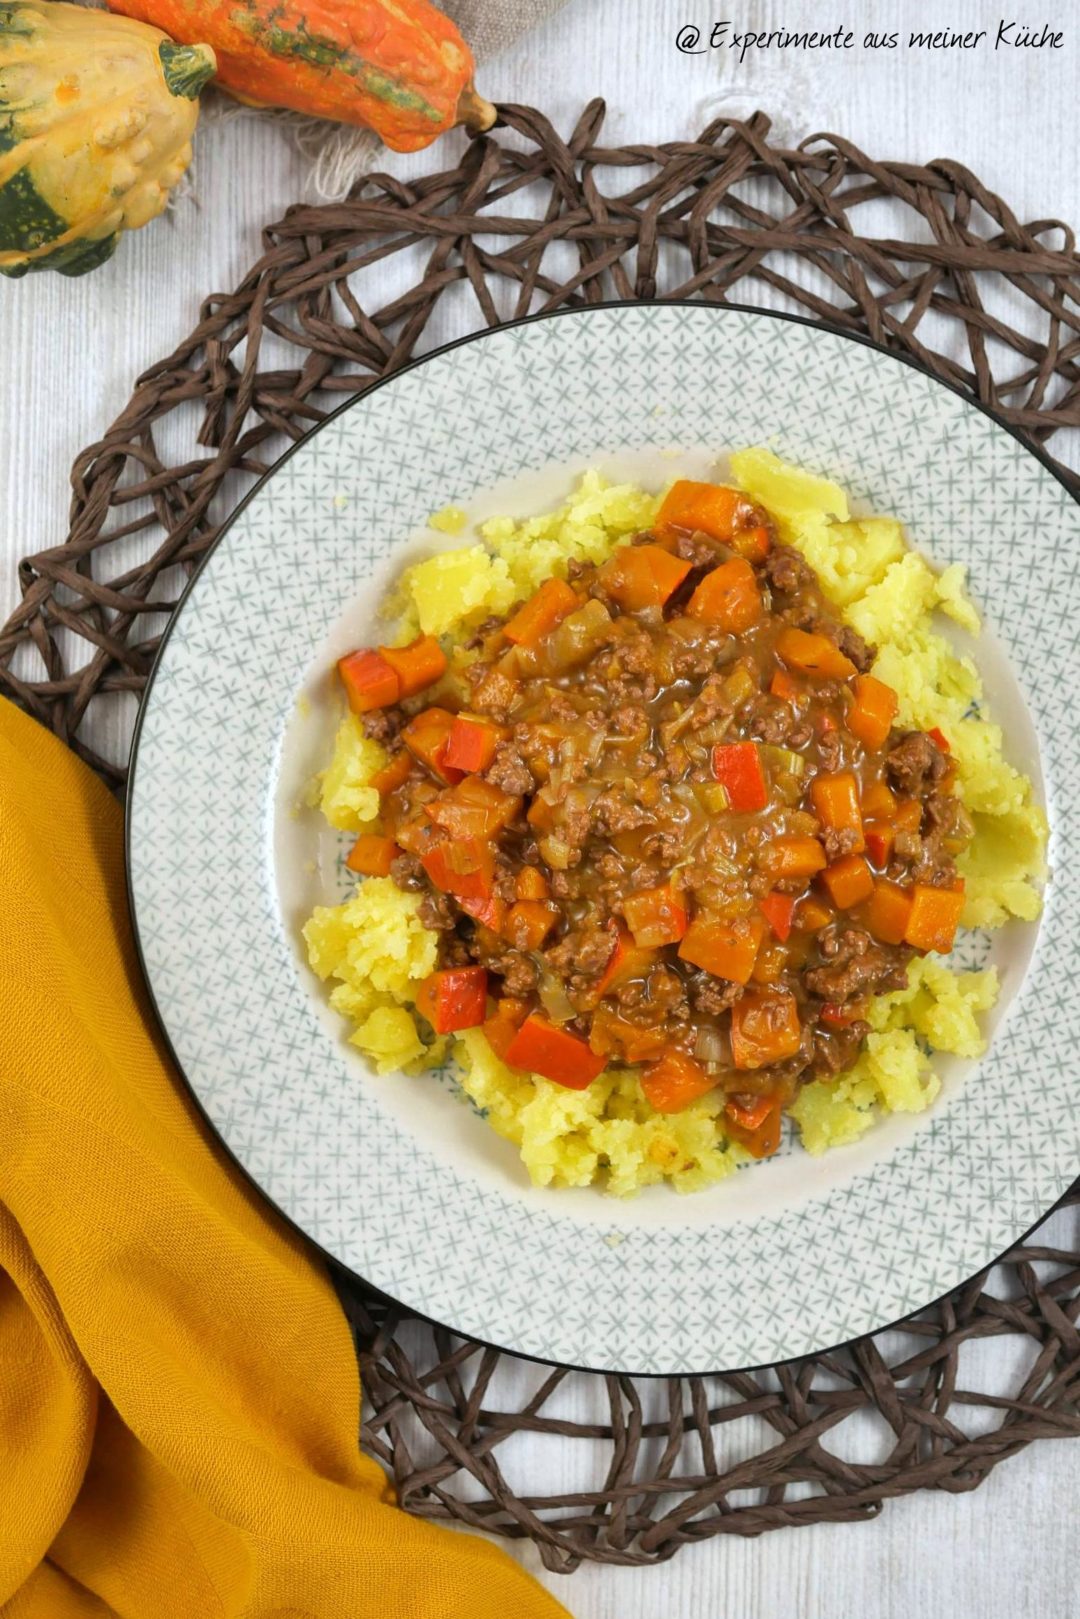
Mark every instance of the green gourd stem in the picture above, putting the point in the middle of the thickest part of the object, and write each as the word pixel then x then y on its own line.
pixel 186 67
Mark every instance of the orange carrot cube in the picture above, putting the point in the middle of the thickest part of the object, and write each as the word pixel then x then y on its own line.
pixel 643 576
pixel 471 744
pixel 728 597
pixel 417 665
pixel 541 613
pixel 813 654
pixel 705 508
pixel 836 804
pixel 872 712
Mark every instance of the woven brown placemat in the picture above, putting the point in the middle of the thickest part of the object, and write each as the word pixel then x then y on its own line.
pixel 525 222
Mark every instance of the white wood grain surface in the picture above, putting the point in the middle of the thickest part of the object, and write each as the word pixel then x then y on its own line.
pixel 1013 1546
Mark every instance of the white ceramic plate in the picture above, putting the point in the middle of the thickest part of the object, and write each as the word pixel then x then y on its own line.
pixel 394 1177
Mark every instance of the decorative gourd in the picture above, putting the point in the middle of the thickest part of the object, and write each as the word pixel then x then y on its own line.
pixel 96 118
pixel 396 66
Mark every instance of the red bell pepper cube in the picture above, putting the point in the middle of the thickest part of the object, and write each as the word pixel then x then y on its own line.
pixel 879 842
pixel 369 681
pixel 426 736
pixel 491 912
pixel 455 998
pixel 464 867
pixel 542 1048
pixel 627 960
pixel 737 767
pixel 471 744
pixel 473 808
pixel 756 1126
pixel 841 1016
pixel 779 911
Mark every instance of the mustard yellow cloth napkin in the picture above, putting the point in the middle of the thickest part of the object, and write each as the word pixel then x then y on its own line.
pixel 179 1399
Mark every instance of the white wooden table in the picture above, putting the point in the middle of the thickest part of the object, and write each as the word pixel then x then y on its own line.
pixel 1013 1547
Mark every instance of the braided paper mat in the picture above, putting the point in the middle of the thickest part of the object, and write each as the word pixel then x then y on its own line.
pixel 527 222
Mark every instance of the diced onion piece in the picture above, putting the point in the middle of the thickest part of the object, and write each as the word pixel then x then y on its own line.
pixel 712 796
pixel 712 1046
pixel 578 636
pixel 553 996
pixel 783 759
pixel 556 851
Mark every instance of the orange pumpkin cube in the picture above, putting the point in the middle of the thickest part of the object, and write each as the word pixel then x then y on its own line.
pixel 765 1029
pixel 724 948
pixel 849 881
pixel 934 918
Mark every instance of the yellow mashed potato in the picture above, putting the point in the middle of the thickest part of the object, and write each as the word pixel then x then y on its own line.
pixel 375 950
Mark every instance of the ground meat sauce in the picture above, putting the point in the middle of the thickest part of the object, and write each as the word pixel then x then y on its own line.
pixel 674 825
